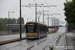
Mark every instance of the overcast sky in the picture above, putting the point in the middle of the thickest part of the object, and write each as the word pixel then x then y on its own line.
pixel 27 12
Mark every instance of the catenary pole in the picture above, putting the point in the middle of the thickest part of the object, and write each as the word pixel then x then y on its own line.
pixel 20 21
pixel 35 12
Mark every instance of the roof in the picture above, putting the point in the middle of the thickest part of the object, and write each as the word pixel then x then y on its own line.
pixel 37 23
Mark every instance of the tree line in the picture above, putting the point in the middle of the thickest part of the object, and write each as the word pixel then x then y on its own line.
pixel 70 14
pixel 5 21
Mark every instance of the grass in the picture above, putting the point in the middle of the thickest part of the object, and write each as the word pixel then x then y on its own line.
pixel 51 48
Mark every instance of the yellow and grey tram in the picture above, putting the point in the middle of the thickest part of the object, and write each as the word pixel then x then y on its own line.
pixel 35 30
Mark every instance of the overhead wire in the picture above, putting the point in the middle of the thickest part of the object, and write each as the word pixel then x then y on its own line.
pixel 29 1
pixel 39 1
pixel 46 3
pixel 28 7
pixel 34 1
pixel 48 7
pixel 40 7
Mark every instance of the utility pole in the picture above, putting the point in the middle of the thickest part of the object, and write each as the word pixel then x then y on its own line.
pixel 48 19
pixel 58 22
pixel 8 22
pixel 39 15
pixel 53 18
pixel 55 21
pixel 12 21
pixel 43 15
pixel 35 12
pixel 37 5
pixel 34 5
pixel 20 21
pixel 52 21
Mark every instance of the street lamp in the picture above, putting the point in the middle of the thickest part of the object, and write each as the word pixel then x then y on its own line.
pixel 9 13
pixel 8 19
pixel 12 21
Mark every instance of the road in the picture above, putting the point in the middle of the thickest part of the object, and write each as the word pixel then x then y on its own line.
pixel 9 37
pixel 39 44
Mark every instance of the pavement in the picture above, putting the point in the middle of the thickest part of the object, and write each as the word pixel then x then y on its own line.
pixel 70 41
pixel 66 42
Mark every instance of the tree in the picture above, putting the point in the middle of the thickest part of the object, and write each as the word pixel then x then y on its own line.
pixel 70 13
pixel 13 21
pixel 5 21
pixel 22 20
pixel 2 26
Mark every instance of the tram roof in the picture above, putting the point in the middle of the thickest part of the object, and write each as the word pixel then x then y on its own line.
pixel 37 23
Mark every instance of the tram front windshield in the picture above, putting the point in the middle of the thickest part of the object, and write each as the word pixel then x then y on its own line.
pixel 30 29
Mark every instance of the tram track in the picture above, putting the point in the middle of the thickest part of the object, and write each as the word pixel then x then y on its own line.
pixel 55 37
pixel 36 44
pixel 27 41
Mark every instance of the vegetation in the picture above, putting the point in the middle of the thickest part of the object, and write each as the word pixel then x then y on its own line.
pixel 5 21
pixel 70 13
pixel 22 20
pixel 2 26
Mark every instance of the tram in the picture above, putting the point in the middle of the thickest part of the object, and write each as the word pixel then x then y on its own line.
pixel 35 30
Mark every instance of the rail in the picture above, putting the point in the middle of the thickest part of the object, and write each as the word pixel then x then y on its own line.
pixel 52 47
